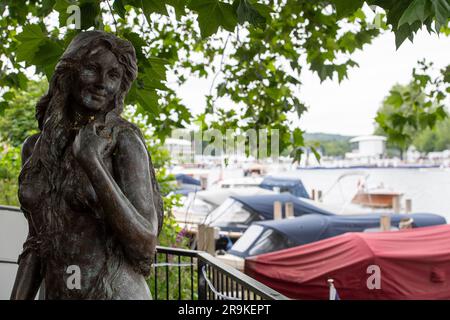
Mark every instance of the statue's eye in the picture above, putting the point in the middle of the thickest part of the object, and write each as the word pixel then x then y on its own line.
pixel 90 68
pixel 114 75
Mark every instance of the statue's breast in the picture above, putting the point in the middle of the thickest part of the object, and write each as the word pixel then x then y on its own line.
pixel 68 190
pixel 31 192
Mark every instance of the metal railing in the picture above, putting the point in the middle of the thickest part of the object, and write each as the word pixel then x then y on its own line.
pixel 196 275
pixel 181 274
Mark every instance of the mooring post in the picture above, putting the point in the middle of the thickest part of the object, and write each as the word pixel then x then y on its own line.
pixel 289 209
pixel 277 211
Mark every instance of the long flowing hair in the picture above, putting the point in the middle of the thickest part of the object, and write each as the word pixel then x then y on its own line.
pixel 52 158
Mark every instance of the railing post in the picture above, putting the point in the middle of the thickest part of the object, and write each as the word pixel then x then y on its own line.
pixel 201 285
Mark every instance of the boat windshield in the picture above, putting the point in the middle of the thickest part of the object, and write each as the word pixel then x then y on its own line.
pixel 270 240
pixel 247 239
pixel 231 211
pixel 196 206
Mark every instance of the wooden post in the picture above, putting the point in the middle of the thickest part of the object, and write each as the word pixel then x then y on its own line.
pixel 313 194
pixel 385 222
pixel 203 183
pixel 277 211
pixel 396 204
pixel 206 239
pixel 408 205
pixel 289 209
pixel 319 195
pixel 201 228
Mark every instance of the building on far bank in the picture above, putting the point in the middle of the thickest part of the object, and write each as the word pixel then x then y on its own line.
pixel 367 148
pixel 180 150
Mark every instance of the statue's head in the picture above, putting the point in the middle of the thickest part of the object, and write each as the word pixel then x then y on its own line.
pixel 96 71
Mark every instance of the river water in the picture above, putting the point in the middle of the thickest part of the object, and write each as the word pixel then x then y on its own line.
pixel 429 189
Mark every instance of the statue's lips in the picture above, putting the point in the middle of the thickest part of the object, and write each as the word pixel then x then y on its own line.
pixel 97 95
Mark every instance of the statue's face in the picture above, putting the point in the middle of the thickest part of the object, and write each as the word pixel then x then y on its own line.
pixel 99 80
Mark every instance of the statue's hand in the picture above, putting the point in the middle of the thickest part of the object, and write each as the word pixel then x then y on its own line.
pixel 88 145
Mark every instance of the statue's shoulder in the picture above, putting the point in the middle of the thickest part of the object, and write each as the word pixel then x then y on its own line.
pixel 126 130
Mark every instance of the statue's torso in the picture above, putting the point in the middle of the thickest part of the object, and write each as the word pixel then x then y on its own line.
pixel 80 237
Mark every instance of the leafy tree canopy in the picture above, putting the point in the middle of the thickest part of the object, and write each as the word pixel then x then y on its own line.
pixel 410 109
pixel 255 49
pixel 436 139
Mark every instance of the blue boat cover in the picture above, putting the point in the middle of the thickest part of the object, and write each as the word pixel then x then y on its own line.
pixel 186 179
pixel 185 192
pixel 292 185
pixel 263 204
pixel 313 227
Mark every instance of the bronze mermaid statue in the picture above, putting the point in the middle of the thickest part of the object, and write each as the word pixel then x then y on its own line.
pixel 87 186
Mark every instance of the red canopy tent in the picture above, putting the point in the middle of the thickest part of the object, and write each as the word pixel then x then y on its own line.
pixel 413 264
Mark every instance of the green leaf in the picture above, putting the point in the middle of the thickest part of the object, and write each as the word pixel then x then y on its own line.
pixel 212 14
pixel 8 95
pixel 315 152
pixel 150 6
pixel 47 7
pixel 221 89
pixel 47 57
pixel 119 8
pixel 148 99
pixel 298 137
pixel 404 32
pixel 3 106
pixel 418 10
pixel 30 40
pixel 179 6
pixel 345 8
pixel 441 10
pixel 255 14
pixel 395 99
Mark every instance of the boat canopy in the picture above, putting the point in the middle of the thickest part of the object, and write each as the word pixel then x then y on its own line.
pixel 263 204
pixel 217 196
pixel 406 264
pixel 314 227
pixel 271 235
pixel 186 179
pixel 293 186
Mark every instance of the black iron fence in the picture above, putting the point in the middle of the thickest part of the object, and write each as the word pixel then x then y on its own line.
pixel 181 274
pixel 195 275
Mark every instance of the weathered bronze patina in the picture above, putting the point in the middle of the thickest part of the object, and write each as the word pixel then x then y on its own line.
pixel 87 185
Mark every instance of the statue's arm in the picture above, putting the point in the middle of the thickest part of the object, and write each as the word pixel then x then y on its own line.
pixel 127 199
pixel 28 277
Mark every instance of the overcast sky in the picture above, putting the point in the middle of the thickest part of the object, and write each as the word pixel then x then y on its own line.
pixel 349 108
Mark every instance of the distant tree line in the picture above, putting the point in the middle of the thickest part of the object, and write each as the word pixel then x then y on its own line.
pixel 331 145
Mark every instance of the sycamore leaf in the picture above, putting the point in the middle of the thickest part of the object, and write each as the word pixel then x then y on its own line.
pixel 178 5
pixel 150 6
pixel 254 13
pixel 346 7
pixel 30 40
pixel 315 152
pixel 298 137
pixel 441 10
pixel 418 10
pixel 47 57
pixel 212 14
pixel 406 31
pixel 119 8
pixel 146 99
